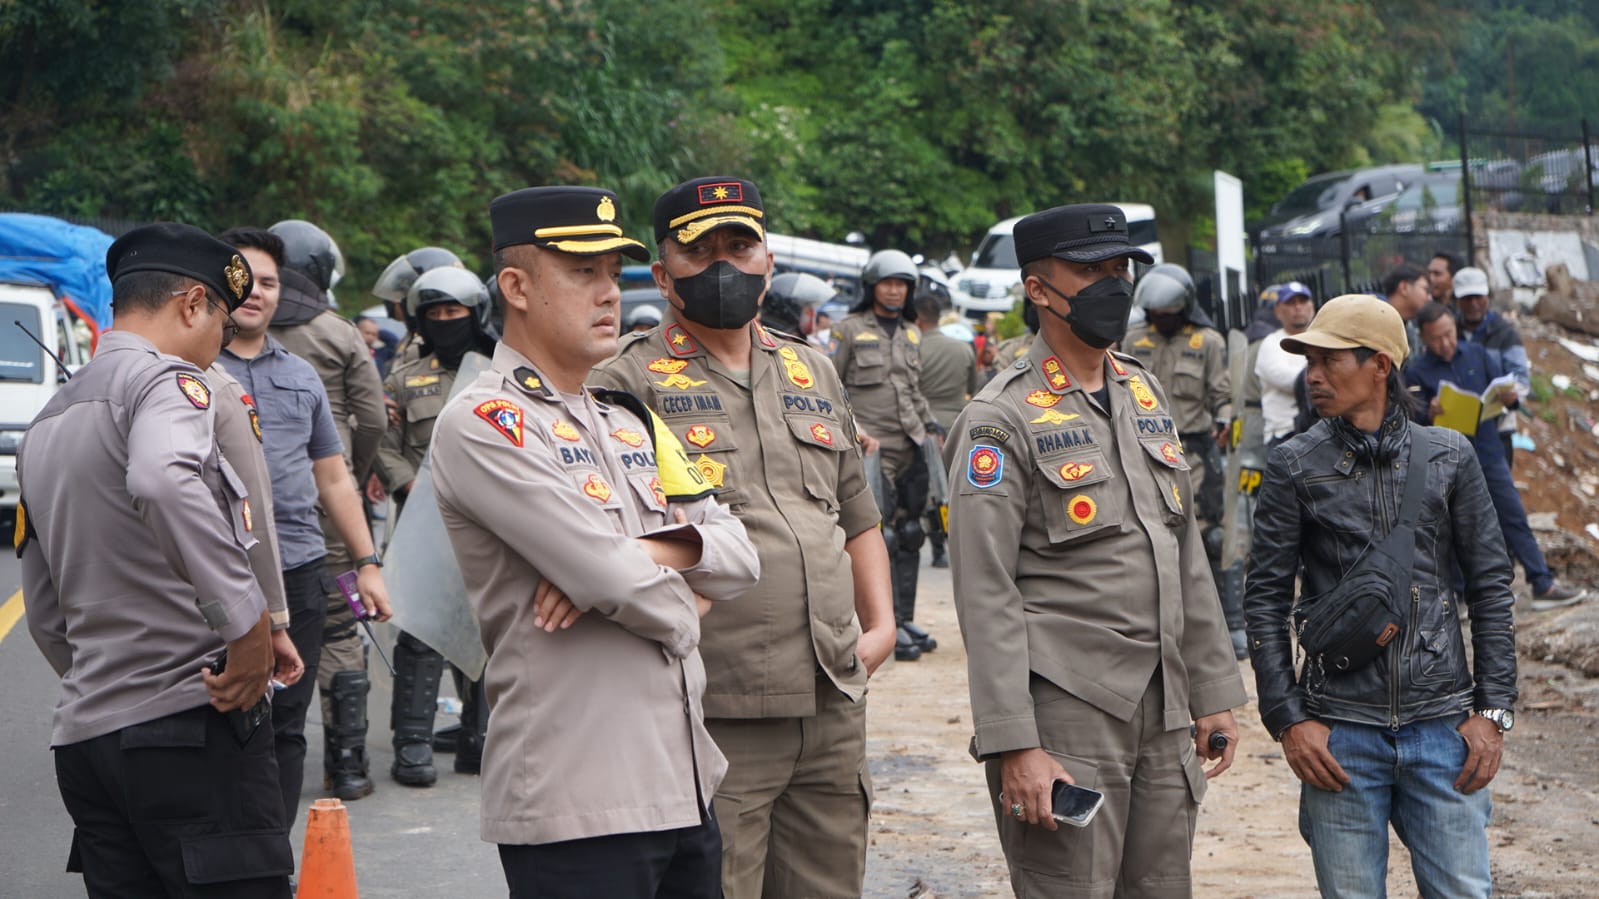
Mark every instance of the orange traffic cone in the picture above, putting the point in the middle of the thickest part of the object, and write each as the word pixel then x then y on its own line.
pixel 327 866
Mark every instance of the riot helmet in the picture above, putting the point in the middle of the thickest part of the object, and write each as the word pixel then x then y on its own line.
pixel 309 250
pixel 1164 289
pixel 642 314
pixel 450 339
pixel 885 264
pixel 803 289
pixel 396 280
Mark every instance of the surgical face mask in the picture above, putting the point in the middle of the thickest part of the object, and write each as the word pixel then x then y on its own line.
pixel 1099 311
pixel 721 297
pixel 449 339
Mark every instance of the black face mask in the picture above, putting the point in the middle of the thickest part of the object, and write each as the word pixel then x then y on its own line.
pixel 721 297
pixel 1099 311
pixel 449 339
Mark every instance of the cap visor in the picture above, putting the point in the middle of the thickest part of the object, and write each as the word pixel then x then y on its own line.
pixel 1087 255
pixel 627 246
pixel 698 228
pixel 1320 339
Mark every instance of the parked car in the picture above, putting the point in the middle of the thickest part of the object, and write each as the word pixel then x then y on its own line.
pixel 1314 209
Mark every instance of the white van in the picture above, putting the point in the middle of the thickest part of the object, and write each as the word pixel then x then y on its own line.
pixel 987 285
pixel 28 376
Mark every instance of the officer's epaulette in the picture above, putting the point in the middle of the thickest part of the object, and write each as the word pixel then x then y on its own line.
pixel 633 338
pixel 784 335
pixel 681 481
pixel 1126 357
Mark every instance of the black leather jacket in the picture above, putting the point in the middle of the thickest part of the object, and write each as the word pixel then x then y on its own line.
pixel 1328 494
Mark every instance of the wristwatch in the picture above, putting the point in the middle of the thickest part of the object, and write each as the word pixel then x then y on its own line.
pixel 374 560
pixel 1504 719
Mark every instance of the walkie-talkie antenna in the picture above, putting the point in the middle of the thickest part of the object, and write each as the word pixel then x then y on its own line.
pixel 65 372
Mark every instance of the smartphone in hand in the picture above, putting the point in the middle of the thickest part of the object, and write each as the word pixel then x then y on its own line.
pixel 1074 805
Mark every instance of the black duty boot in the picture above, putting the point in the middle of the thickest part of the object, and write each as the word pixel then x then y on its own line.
pixel 905 649
pixel 417 669
pixel 905 570
pixel 348 737
pixel 923 640
pixel 446 738
pixel 474 728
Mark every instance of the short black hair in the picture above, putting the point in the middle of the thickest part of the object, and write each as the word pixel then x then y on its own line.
pixel 147 290
pixel 1454 262
pixel 1404 274
pixel 1431 313
pixel 243 236
pixel 927 307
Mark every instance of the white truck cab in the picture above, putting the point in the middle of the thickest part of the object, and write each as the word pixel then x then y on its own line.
pixel 988 285
pixel 28 375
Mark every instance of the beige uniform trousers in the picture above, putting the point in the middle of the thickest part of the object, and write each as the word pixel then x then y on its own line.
pixel 794 804
pixel 1139 845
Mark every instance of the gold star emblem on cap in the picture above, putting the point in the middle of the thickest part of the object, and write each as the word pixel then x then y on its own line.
pixel 606 211
pixel 720 192
pixel 236 276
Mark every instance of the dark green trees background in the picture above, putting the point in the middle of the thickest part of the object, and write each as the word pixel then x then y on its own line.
pixel 915 122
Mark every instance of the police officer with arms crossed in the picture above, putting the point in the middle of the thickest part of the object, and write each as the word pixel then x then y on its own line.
pixel 1093 632
pixel 590 546
pixel 787 664
pixel 136 577
pixel 877 353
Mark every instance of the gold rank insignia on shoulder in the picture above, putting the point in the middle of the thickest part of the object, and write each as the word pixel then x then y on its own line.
pixel 237 276
pixel 1051 417
pixel 1043 399
pixel 629 436
pixel 596 488
pixel 665 366
pixel 678 382
pixel 527 379
pixel 565 431
pixel 799 374
pixel 194 390
pixel 1144 342
pixel 712 470
pixel 1055 374
pixel 914 336
pixel 678 341
pixel 1142 394
pixel 1115 364
pixel 765 338
pixel 1197 342
pixel 1081 509
pixel 505 417
pixel 700 435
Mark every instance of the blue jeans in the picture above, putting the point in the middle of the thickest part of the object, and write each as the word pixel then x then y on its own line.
pixel 1406 778
pixel 1512 514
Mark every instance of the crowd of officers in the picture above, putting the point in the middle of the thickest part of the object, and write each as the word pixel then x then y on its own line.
pixel 603 492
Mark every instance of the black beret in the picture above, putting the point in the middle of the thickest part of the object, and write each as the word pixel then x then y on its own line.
pixel 576 220
pixel 182 250
pixel 1087 232
pixel 699 206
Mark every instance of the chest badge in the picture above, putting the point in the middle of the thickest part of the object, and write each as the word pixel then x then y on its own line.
pixel 1142 395
pixel 565 431
pixel 799 374
pixel 1051 417
pixel 421 381
pixel 1197 341
pixel 678 382
pixel 1144 343
pixel 505 416
pixel 665 366
pixel 244 511
pixel 255 417
pixel 913 335
pixel 1169 453
pixel 866 337
pixel 629 436
pixel 985 466
pixel 659 491
pixel 1055 374
pixel 1043 399
pixel 700 435
pixel 1081 509
pixel 821 433
pixel 1076 471
pixel 596 488
pixel 713 471
pixel 194 390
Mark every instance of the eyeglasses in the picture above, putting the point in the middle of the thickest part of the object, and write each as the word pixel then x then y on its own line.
pixel 230 328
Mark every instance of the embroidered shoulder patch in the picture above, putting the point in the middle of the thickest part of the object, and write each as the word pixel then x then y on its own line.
pixel 999 435
pixel 505 416
pixel 194 390
pixel 985 466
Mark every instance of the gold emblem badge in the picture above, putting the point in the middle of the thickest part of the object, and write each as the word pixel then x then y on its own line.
pixel 195 391
pixel 665 366
pixel 532 382
pixel 659 491
pixel 236 275
pixel 798 372
pixel 710 469
pixel 1115 365
pixel 866 337
pixel 606 211
pixel 1197 342
pixel 1142 394
pixel 1055 374
pixel 1081 509
pixel 421 381
pixel 629 436
pixel 244 508
pixel 913 335
pixel 1177 496
pixel 565 431
pixel 1076 471
pixel 1043 399
pixel 820 432
pixel 596 488
pixel 1169 453
pixel 681 344
pixel 678 382
pixel 700 435
pixel 1144 342
pixel 1051 417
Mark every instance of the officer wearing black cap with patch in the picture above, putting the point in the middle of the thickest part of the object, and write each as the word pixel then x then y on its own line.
pixel 1093 634
pixel 136 578
pixel 589 546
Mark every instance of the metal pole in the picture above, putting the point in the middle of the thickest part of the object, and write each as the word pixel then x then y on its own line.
pixel 1343 243
pixel 1465 192
pixel 1587 155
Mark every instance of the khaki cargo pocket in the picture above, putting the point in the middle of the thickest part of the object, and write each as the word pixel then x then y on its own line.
pixel 868 366
pixel 1194 771
pixel 246 855
pixel 820 441
pixel 1069 851
pixel 651 496
pixel 1171 472
pixel 1080 496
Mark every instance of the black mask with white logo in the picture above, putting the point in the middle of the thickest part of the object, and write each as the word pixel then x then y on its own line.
pixel 721 297
pixel 1099 311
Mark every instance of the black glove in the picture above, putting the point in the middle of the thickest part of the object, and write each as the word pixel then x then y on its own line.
pixel 934 427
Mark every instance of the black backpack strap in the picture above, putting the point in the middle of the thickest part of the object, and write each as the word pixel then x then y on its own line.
pixel 1415 475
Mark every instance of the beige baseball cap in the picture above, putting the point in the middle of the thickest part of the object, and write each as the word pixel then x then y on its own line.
pixel 1352 321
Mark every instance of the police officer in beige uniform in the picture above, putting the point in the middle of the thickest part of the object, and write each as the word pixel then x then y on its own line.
pixel 590 546
pixel 877 353
pixel 1093 633
pixel 787 664
pixel 136 575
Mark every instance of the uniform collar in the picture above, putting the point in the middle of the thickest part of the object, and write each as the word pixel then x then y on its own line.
pixel 682 345
pixel 1049 368
pixel 520 371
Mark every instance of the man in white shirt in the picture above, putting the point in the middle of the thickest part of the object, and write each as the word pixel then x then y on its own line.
pixel 1278 369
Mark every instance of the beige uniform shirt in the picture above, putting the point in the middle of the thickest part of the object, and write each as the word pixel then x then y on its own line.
pixel 135 568
pixel 1075 554
pixel 949 376
pixel 1192 365
pixel 238 430
pixel 1011 349
pixel 779 448
pixel 883 376
pixel 419 387
pixel 597 729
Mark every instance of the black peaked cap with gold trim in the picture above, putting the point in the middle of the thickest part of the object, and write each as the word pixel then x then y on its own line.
pixel 1085 233
pixel 699 206
pixel 182 250
pixel 577 220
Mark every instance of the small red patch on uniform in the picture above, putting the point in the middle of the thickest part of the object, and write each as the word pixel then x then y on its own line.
pixel 1075 471
pixel 505 416
pixel 1081 509
pixel 765 338
pixel 1169 453
pixel 194 390
pixel 700 435
pixel 596 488
pixel 820 432
pixel 1115 366
pixel 1055 374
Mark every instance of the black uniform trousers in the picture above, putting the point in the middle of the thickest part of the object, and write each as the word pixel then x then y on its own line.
pixel 306 589
pixel 176 807
pixel 667 864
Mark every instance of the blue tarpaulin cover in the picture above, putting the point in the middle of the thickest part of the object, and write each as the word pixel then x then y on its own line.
pixel 68 257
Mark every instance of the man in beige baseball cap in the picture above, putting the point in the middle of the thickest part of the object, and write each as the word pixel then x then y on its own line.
pixel 1354 385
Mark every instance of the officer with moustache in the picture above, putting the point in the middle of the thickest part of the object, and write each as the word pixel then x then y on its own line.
pixel 787 664
pixel 1093 634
